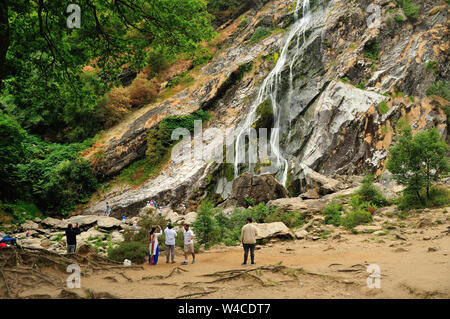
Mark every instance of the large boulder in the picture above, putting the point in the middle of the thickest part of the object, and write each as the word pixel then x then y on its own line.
pixel 322 184
pixel 30 242
pixel 51 222
pixel 29 225
pixel 82 220
pixel 108 222
pixel 307 207
pixel 273 230
pixel 260 188
pixel 190 218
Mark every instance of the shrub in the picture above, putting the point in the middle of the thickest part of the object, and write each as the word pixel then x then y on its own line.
pixel 410 9
pixel 371 50
pixel 369 193
pixel 399 18
pixel 142 91
pixel 355 218
pixel 205 226
pixel 259 34
pixel 440 88
pixel 116 105
pixel 332 214
pixel 432 66
pixel 291 219
pixel 137 252
pixel 438 197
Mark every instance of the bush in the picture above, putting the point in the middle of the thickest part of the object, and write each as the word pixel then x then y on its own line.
pixel 410 9
pixel 383 108
pixel 259 34
pixel 332 214
pixel 369 193
pixel 142 91
pixel 371 50
pixel 438 197
pixel 355 218
pixel 440 88
pixel 292 219
pixel 205 227
pixel 116 105
pixel 137 252
pixel 145 225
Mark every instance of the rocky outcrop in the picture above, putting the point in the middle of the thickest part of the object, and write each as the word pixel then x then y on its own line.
pixel 273 230
pixel 255 188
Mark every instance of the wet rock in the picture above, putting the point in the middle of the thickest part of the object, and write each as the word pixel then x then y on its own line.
pixel 260 188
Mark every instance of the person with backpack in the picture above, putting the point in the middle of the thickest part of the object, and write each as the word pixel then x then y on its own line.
pixel 71 237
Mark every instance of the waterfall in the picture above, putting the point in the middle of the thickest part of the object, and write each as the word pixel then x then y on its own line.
pixel 269 90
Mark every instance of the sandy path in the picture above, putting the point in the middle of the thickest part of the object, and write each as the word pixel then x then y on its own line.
pixel 333 268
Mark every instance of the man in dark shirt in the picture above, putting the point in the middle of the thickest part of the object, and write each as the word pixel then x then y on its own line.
pixel 71 236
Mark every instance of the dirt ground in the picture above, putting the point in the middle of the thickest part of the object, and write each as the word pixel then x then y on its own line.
pixel 414 266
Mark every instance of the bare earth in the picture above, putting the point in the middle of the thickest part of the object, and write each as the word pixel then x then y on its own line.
pixel 412 267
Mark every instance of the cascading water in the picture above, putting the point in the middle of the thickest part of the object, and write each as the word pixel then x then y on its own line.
pixel 269 91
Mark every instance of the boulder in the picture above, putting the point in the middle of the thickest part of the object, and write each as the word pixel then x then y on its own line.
pixel 322 184
pixel 90 233
pixel 260 188
pixel 190 218
pixel 273 230
pixel 29 225
pixel 173 217
pixel 82 220
pixel 50 222
pixel 31 242
pixel 301 233
pixel 108 222
pixel 367 228
pixel 310 206
pixel 116 237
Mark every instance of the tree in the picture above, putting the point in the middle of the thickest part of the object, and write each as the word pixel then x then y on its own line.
pixel 205 225
pixel 418 161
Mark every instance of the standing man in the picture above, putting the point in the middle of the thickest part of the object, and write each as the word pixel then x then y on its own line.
pixel 248 240
pixel 71 237
pixel 188 245
pixel 108 209
pixel 170 235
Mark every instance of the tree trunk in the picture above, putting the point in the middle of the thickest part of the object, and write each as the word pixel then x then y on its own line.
pixel 4 35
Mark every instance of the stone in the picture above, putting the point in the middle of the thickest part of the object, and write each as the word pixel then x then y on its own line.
pixel 301 234
pixel 29 225
pixel 173 217
pixel 309 206
pixel 51 222
pixel 30 243
pixel 116 237
pixel 367 228
pixel 260 188
pixel 107 222
pixel 90 233
pixel 82 220
pixel 322 184
pixel 273 230
pixel 424 222
pixel 310 194
pixel 190 218
pixel 432 249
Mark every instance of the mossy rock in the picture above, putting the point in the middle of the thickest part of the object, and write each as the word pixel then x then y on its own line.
pixel 265 116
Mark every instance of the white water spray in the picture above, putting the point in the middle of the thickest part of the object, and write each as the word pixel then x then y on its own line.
pixel 269 90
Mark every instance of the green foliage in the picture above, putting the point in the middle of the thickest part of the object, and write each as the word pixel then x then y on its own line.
pixel 399 18
pixel 355 218
pixel 410 9
pixel 248 202
pixel 135 251
pixel 291 219
pixel 438 197
pixel 145 224
pixel 432 66
pixel 205 227
pixel 184 78
pixel 383 107
pixel 417 162
pixel 440 88
pixel 259 34
pixel 371 50
pixel 361 85
pixel 265 116
pixel 332 213
pixel 369 193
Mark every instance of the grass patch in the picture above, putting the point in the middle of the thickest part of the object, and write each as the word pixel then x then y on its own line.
pixel 383 107
pixel 440 88
pixel 259 34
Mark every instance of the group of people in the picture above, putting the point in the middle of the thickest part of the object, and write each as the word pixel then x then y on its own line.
pixel 170 238
pixel 248 240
